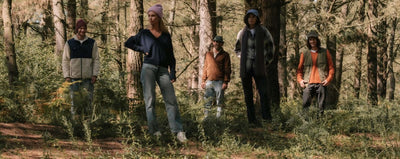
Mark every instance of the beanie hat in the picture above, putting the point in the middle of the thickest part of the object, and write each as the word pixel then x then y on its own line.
pixel 218 39
pixel 254 12
pixel 312 33
pixel 157 9
pixel 79 24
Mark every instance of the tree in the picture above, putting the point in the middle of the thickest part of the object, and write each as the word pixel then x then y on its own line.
pixel 382 59
pixel 59 27
pixel 372 53
pixel 392 56
pixel 9 49
pixel 171 17
pixel 282 63
pixel 84 9
pixel 71 14
pixel 271 18
pixel 205 33
pixel 134 59
pixel 358 55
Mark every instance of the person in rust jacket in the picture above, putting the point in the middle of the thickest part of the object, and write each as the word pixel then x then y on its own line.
pixel 315 72
pixel 216 76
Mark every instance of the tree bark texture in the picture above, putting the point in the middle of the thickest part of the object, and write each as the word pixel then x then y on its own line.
pixel 382 59
pixel 71 15
pixel 205 34
pixel 271 19
pixel 171 18
pixel 134 59
pixel 282 63
pixel 84 9
pixel 392 56
pixel 59 27
pixel 372 53
pixel 9 48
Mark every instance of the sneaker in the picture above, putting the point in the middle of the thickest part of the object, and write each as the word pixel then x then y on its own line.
pixel 157 134
pixel 181 137
pixel 219 110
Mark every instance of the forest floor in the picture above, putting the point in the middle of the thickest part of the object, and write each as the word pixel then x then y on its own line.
pixel 24 140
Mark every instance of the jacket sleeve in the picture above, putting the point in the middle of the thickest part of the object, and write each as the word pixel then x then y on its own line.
pixel 300 69
pixel 66 65
pixel 205 69
pixel 238 45
pixel 331 72
pixel 134 43
pixel 227 71
pixel 269 47
pixel 96 60
pixel 172 65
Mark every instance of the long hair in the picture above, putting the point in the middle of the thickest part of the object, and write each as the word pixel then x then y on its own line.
pixel 161 24
pixel 318 43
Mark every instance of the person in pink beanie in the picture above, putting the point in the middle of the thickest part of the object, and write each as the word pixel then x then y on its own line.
pixel 158 67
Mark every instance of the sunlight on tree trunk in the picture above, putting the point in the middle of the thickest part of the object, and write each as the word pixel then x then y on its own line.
pixel 9 48
pixel 59 27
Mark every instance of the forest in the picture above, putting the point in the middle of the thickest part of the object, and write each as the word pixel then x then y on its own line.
pixel 361 119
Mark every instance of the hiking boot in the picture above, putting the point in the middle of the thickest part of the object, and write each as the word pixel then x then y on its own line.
pixel 181 137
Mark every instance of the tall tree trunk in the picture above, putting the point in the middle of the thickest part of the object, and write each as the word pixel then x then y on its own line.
pixel 372 53
pixel 392 56
pixel 171 17
pixel 294 59
pixel 382 60
pixel 193 82
pixel 134 59
pixel 205 34
pixel 357 69
pixel 59 27
pixel 332 89
pixel 359 50
pixel 282 64
pixel 84 9
pixel 271 18
pixel 71 15
pixel 118 40
pixel 9 49
pixel 104 20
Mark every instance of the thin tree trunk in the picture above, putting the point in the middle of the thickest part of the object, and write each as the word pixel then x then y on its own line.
pixel 359 50
pixel 71 15
pixel 271 17
pixel 194 36
pixel 332 89
pixel 59 27
pixel 104 20
pixel 382 60
pixel 392 56
pixel 294 59
pixel 372 54
pixel 84 9
pixel 282 63
pixel 118 41
pixel 205 34
pixel 9 49
pixel 357 70
pixel 171 17
pixel 134 59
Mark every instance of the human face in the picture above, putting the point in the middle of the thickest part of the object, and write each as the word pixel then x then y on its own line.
pixel 81 32
pixel 313 42
pixel 217 45
pixel 153 18
pixel 252 20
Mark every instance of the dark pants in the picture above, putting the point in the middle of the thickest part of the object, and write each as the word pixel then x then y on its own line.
pixel 314 89
pixel 261 84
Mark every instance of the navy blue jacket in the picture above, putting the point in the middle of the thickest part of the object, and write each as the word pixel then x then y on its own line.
pixel 160 49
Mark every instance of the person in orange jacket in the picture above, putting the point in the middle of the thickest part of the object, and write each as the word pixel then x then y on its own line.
pixel 315 72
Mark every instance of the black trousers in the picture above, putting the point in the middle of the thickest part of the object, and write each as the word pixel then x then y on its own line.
pixel 261 85
pixel 312 90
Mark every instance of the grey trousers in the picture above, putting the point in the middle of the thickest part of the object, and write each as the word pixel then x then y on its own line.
pixel 312 90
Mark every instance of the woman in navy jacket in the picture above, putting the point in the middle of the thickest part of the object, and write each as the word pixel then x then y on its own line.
pixel 158 66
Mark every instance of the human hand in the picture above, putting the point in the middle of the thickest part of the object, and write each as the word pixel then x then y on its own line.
pixel 68 79
pixel 303 83
pixel 325 83
pixel 203 85
pixel 94 78
pixel 173 80
pixel 224 86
